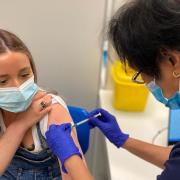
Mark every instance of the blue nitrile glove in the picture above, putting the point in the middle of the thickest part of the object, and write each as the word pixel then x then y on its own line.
pixel 108 125
pixel 59 140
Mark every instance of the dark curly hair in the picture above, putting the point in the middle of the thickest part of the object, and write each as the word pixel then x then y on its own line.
pixel 141 28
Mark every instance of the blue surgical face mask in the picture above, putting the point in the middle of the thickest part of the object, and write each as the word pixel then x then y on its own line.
pixel 18 99
pixel 172 103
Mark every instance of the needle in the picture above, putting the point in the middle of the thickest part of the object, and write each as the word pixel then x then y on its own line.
pixel 84 121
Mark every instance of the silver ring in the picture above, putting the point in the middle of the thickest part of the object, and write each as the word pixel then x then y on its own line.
pixel 43 105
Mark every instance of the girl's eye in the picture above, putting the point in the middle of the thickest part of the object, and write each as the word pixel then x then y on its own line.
pixel 2 82
pixel 24 75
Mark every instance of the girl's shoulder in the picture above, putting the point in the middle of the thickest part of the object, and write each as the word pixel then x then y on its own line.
pixel 56 100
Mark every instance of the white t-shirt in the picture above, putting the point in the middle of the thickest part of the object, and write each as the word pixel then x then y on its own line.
pixel 43 124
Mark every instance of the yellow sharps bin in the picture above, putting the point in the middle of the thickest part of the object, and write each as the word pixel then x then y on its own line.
pixel 128 96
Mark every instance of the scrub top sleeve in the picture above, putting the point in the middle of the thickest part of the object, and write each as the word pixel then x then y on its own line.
pixel 172 165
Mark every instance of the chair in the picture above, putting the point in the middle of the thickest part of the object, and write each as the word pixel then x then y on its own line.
pixel 83 131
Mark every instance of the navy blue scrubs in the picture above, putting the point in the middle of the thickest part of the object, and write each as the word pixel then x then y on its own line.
pixel 172 165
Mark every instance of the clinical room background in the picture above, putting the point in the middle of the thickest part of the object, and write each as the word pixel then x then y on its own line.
pixel 66 39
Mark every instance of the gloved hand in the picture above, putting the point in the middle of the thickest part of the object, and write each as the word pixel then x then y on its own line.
pixel 61 143
pixel 108 125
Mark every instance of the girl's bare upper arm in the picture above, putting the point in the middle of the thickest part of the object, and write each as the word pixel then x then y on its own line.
pixel 59 115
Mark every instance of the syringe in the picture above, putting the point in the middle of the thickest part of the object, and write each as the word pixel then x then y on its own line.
pixel 84 121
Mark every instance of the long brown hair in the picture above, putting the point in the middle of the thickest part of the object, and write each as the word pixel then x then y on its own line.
pixel 10 42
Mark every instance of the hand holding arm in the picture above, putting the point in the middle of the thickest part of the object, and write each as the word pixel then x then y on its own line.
pixel 62 145
pixel 60 142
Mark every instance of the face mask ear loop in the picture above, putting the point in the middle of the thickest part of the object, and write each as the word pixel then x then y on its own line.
pixel 154 80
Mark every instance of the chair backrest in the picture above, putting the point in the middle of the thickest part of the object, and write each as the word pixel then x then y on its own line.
pixel 83 131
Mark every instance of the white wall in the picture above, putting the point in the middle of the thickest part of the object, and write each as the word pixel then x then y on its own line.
pixel 118 3
pixel 65 40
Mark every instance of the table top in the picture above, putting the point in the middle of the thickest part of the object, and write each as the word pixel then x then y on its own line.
pixel 141 125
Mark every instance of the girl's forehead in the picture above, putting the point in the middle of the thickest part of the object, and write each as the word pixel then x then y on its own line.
pixel 13 61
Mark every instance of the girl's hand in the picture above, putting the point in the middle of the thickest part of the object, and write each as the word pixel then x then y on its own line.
pixel 39 107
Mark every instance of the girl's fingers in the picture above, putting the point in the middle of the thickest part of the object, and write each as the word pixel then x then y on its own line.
pixel 39 95
pixel 44 102
pixel 46 110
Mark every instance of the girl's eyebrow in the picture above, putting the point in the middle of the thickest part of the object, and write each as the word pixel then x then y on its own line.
pixel 3 75
pixel 25 68
pixel 21 70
